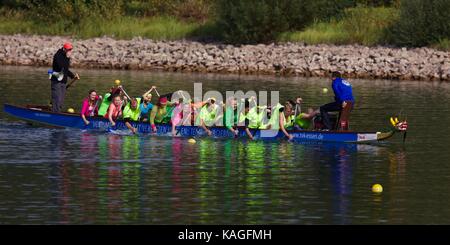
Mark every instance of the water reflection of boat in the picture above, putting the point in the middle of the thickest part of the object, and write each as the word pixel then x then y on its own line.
pixel 39 115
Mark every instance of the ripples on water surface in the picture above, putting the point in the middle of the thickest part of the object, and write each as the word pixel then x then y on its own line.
pixel 61 176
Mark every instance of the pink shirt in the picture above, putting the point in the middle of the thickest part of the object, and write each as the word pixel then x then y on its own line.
pixel 88 110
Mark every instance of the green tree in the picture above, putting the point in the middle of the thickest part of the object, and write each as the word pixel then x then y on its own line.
pixel 421 22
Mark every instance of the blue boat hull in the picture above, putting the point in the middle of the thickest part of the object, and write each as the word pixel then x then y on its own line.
pixel 69 120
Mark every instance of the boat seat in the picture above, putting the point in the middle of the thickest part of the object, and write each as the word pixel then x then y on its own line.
pixel 343 119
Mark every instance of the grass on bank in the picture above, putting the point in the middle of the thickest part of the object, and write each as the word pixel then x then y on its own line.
pixel 158 28
pixel 360 25
pixel 443 45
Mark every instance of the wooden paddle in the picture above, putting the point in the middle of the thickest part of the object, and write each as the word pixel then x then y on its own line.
pixel 123 90
pixel 73 81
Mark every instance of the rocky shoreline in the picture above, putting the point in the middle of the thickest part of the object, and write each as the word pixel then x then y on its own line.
pixel 291 59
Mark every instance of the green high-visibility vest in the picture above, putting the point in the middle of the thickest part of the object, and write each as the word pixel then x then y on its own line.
pixel 229 117
pixel 274 120
pixel 302 122
pixel 104 105
pixel 133 114
pixel 289 122
pixel 254 118
pixel 208 116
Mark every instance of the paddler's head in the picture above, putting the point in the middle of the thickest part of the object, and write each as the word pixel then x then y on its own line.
pixel 246 106
pixel 117 100
pixel 335 75
pixel 162 102
pixel 147 98
pixel 288 105
pixel 92 95
pixel 67 48
pixel 133 103
pixel 211 101
pixel 269 111
pixel 232 102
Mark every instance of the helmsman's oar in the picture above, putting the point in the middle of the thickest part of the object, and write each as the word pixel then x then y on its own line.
pixel 72 82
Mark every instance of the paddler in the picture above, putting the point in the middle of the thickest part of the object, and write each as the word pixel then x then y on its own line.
pixel 250 118
pixel 115 90
pixel 303 120
pixel 207 116
pixel 180 113
pixel 343 103
pixel 230 116
pixel 161 113
pixel 90 106
pixel 146 105
pixel 60 72
pixel 287 118
pixel 131 113
pixel 114 110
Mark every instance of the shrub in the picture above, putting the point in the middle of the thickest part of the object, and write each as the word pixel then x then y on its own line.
pixel 73 12
pixel 251 21
pixel 191 10
pixel 362 25
pixel 421 22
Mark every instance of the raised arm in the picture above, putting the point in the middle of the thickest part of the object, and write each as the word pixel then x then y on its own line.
pixel 148 92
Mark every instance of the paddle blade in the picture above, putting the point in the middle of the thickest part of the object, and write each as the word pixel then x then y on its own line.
pixel 404 136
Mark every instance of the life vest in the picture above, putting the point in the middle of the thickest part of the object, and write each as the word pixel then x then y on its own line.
pixel 208 116
pixel 104 105
pixel 302 122
pixel 163 115
pixel 254 118
pixel 274 121
pixel 289 122
pixel 229 117
pixel 133 114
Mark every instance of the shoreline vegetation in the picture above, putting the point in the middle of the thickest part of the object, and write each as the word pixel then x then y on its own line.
pixel 367 39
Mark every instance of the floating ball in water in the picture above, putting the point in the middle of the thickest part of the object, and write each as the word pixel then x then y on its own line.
pixel 324 90
pixel 377 188
pixel 117 82
pixel 192 141
pixel 70 110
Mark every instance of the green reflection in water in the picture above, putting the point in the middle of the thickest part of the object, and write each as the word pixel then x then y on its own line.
pixel 131 177
pixel 207 172
pixel 102 182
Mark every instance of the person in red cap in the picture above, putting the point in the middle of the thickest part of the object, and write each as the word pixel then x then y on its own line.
pixel 161 113
pixel 61 70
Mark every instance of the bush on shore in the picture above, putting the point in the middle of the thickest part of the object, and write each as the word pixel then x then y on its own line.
pixel 360 25
pixel 421 23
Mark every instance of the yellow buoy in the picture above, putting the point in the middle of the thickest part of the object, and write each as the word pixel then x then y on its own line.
pixel 70 110
pixel 117 82
pixel 192 141
pixel 377 188
pixel 325 90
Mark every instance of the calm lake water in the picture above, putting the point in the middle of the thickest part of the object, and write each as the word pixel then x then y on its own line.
pixel 62 176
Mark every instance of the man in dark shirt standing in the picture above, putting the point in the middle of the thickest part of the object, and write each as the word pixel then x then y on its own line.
pixel 61 65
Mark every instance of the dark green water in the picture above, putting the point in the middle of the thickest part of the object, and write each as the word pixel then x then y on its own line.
pixel 59 176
